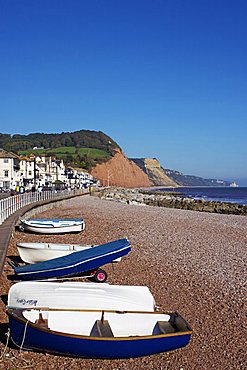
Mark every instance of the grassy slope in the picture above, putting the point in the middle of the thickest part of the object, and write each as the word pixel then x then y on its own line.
pixel 62 152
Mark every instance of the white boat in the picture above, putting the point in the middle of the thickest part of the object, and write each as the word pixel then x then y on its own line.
pixel 83 263
pixel 51 226
pixel 233 184
pixel 39 252
pixel 91 320
pixel 77 295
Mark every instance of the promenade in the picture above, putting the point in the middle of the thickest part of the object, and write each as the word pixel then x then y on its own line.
pixel 8 226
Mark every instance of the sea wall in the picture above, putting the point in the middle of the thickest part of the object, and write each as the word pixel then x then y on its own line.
pixel 170 200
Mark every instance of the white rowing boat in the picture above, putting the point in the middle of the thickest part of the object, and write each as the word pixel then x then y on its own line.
pixel 50 226
pixel 91 320
pixel 39 252
pixel 77 295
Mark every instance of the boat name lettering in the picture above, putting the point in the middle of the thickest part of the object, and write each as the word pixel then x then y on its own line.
pixel 31 302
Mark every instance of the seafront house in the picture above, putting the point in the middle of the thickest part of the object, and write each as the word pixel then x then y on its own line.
pixel 78 178
pixel 9 170
pixel 29 171
pixel 49 170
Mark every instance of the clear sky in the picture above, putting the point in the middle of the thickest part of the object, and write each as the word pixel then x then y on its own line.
pixel 164 78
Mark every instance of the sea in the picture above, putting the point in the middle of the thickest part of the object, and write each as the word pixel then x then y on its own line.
pixel 236 195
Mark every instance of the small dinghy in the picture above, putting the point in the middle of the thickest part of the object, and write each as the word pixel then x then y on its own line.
pixel 49 226
pixel 83 263
pixel 77 295
pixel 97 334
pixel 39 252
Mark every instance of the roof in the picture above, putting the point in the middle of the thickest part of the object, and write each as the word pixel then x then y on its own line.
pixel 5 154
pixel 25 158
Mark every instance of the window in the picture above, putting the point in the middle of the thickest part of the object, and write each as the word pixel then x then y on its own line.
pixel 30 173
pixel 5 160
pixel 6 173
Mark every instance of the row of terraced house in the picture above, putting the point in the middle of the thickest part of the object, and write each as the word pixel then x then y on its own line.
pixel 39 170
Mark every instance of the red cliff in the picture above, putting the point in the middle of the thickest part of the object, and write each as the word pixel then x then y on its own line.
pixel 120 171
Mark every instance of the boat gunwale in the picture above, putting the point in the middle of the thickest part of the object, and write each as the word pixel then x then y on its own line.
pixel 48 246
pixel 50 226
pixel 44 220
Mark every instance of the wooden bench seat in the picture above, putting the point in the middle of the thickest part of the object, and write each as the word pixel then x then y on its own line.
pixel 104 328
pixel 166 327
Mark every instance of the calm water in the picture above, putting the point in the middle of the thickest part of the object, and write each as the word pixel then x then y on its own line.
pixel 232 195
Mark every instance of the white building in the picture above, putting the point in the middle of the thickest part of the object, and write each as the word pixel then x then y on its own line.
pixel 34 170
pixel 9 170
pixel 78 178
pixel 27 166
pixel 49 170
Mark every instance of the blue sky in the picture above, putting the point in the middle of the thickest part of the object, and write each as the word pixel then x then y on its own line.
pixel 164 78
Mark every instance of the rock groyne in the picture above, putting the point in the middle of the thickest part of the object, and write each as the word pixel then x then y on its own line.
pixel 170 200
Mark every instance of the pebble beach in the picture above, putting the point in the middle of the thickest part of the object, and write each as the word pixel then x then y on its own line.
pixel 193 263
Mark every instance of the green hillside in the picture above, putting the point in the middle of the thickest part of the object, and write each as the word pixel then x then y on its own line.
pixel 82 148
pixel 68 151
pixel 80 157
pixel 77 139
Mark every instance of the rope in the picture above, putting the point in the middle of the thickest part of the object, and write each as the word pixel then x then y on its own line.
pixel 6 345
pixel 13 359
pixel 24 335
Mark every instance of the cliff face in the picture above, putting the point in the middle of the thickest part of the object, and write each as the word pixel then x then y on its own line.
pixel 155 172
pixel 120 171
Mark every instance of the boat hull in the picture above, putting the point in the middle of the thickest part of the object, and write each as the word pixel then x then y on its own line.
pixel 75 264
pixel 30 338
pixel 31 253
pixel 40 252
pixel 76 295
pixel 52 226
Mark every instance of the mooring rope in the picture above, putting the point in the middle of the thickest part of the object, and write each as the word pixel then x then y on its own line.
pixel 13 359
pixel 24 335
pixel 6 345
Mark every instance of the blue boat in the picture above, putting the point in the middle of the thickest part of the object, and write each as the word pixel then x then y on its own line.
pixel 84 263
pixel 96 333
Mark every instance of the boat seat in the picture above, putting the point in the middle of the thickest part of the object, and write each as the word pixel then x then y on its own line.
pixel 166 327
pixel 181 324
pixel 41 322
pixel 104 328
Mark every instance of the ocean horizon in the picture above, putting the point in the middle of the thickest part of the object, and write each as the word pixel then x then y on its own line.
pixel 237 195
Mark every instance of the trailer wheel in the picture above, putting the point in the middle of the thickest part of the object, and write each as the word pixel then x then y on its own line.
pixel 100 276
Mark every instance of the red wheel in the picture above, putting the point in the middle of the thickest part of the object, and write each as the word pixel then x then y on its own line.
pixel 100 276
